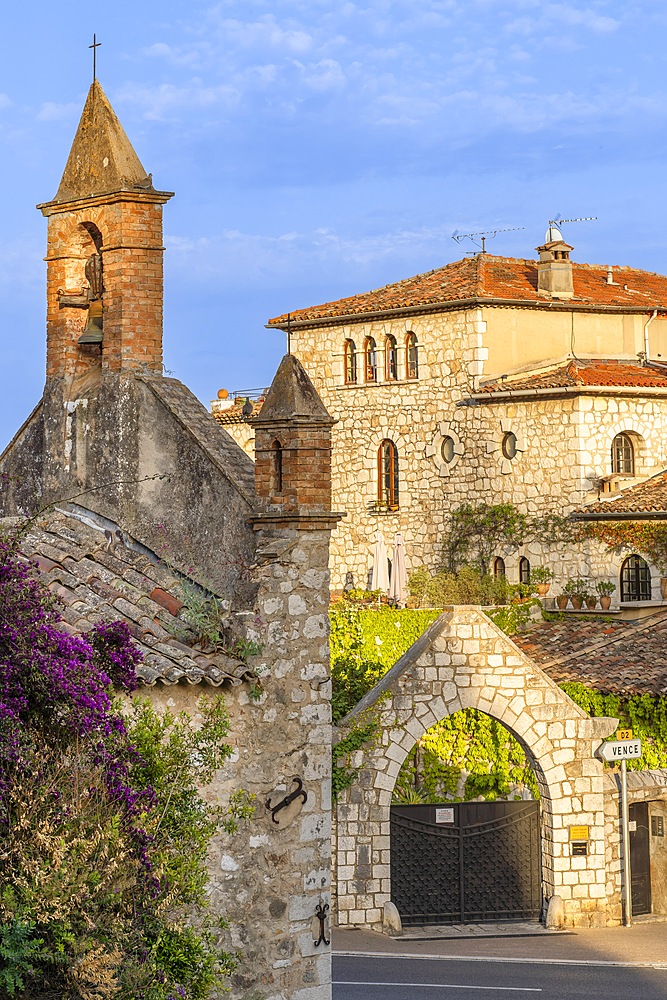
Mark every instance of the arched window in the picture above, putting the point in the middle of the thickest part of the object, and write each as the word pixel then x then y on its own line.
pixel 498 566
pixel 635 580
pixel 388 474
pixel 411 358
pixel 524 570
pixel 390 359
pixel 277 467
pixel 370 360
pixel 623 455
pixel 350 354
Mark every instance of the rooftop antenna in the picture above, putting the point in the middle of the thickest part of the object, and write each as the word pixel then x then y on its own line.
pixel 558 221
pixel 488 234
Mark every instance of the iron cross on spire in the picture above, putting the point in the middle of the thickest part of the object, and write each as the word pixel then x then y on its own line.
pixel 95 46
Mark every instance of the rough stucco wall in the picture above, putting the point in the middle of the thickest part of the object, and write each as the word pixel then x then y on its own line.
pixel 565 443
pixel 114 433
pixel 658 855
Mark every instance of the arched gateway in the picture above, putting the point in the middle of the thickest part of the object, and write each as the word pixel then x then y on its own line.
pixel 464 661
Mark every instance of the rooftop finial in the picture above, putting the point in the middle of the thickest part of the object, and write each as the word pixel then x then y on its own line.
pixel 95 46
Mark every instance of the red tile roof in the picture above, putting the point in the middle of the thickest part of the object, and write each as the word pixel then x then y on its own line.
pixel 570 374
pixel 649 497
pixel 486 277
pixel 617 657
pixel 233 415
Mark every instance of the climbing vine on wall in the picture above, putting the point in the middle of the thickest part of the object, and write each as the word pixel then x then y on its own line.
pixel 647 538
pixel 468 754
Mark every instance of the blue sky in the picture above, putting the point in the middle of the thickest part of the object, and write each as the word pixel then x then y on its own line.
pixel 319 149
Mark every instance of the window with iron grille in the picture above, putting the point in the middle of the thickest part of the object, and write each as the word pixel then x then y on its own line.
pixel 370 359
pixel 411 357
pixel 635 580
pixel 390 359
pixel 388 474
pixel 623 455
pixel 350 362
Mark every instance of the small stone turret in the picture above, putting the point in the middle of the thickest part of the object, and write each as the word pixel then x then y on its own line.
pixel 554 268
pixel 293 447
pixel 104 254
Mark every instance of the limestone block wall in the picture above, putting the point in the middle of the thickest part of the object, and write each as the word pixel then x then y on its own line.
pixel 464 661
pixel 564 443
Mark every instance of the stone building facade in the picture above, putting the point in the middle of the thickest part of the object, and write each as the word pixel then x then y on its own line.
pixel 155 500
pixel 488 382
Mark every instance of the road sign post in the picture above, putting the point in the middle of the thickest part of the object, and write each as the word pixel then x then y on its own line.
pixel 612 752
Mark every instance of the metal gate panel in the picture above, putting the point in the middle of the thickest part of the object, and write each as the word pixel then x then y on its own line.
pixel 483 866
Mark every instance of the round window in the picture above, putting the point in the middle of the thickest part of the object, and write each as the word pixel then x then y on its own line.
pixel 509 445
pixel 447 449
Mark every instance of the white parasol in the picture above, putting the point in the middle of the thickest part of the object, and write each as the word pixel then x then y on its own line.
pixel 399 579
pixel 380 578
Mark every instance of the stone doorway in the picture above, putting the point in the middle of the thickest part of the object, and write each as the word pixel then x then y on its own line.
pixel 464 661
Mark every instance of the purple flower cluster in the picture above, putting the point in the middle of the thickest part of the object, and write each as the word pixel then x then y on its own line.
pixel 58 686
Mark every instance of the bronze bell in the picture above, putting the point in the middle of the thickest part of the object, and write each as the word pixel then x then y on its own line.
pixel 92 333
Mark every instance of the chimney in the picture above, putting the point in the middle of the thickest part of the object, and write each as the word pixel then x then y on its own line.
pixel 554 268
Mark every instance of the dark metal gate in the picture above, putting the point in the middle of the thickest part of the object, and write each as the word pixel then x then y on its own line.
pixel 466 862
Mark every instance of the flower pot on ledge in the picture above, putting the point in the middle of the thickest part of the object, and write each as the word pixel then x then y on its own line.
pixel 591 602
pixel 543 589
pixel 605 602
pixel 577 602
pixel 561 601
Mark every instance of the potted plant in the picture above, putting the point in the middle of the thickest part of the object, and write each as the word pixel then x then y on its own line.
pixel 605 589
pixel 577 591
pixel 591 601
pixel 541 577
pixel 561 601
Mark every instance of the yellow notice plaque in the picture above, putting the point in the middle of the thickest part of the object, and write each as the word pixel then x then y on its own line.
pixel 623 734
pixel 578 833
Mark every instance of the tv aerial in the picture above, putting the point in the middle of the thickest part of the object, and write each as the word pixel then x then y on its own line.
pixel 488 234
pixel 557 222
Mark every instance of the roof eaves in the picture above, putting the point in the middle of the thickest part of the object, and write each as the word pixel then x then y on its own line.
pixel 280 323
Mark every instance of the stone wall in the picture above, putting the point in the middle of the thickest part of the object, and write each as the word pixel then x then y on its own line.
pixel 564 443
pixel 643 786
pixel 464 661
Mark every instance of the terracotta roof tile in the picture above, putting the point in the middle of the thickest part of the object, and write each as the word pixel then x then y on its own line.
pixel 488 277
pixel 622 657
pixel 649 497
pixel 233 414
pixel 99 585
pixel 606 372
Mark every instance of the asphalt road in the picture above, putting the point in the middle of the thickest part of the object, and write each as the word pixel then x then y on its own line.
pixel 362 977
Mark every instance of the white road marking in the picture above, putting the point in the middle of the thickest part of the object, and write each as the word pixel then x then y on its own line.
pixel 660 966
pixel 440 986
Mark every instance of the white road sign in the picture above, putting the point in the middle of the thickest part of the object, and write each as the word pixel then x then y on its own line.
pixel 621 750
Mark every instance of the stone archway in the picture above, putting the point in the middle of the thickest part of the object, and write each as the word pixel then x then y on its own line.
pixel 464 661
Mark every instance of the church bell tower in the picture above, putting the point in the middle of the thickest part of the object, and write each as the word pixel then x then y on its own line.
pixel 104 254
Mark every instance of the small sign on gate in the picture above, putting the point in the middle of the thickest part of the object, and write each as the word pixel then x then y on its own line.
pixel 445 815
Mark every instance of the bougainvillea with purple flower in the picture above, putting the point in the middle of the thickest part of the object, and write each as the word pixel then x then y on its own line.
pixel 104 833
